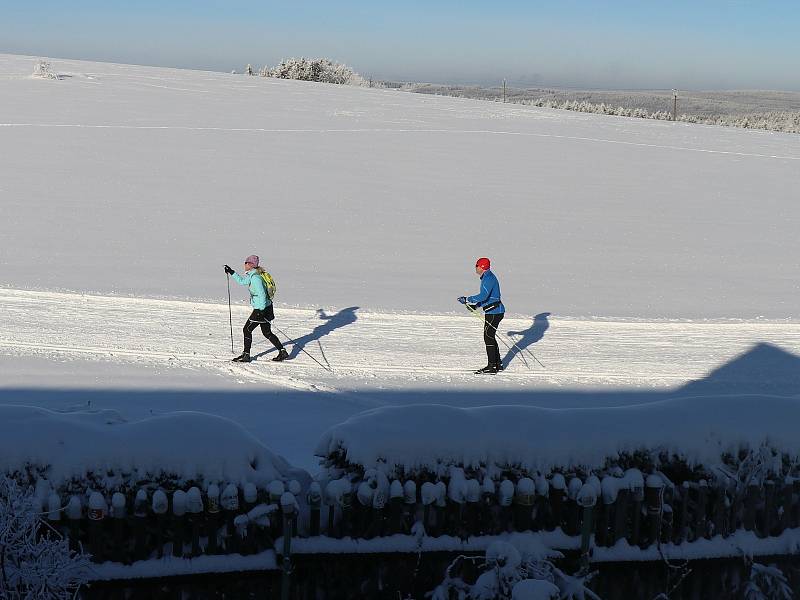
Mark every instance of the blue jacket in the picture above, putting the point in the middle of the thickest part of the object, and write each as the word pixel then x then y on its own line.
pixel 258 289
pixel 489 294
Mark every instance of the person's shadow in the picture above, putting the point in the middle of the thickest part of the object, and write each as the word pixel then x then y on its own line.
pixel 529 336
pixel 344 317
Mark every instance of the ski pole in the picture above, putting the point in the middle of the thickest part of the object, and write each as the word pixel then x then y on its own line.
pixel 303 350
pixel 520 350
pixel 230 313
pixel 482 319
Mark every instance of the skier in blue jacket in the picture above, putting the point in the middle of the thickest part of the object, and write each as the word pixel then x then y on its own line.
pixel 263 312
pixel 493 310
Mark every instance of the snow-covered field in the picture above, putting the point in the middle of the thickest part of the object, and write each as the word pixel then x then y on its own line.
pixel 635 256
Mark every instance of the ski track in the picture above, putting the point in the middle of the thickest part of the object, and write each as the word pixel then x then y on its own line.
pixel 378 351
pixel 403 131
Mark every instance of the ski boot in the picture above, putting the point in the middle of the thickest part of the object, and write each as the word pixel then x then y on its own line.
pixel 282 355
pixel 487 370
pixel 243 357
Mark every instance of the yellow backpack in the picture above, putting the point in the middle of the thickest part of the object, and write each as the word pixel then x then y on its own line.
pixel 269 282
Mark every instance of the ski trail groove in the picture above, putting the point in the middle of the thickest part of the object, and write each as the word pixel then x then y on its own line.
pixel 375 351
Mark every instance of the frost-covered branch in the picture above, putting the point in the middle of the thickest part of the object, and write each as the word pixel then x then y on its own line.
pixel 36 562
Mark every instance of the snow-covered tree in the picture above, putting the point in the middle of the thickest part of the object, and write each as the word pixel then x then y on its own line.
pixel 35 562
pixel 249 70
pixel 317 69
pixel 767 583
pixel 42 70
pixel 504 577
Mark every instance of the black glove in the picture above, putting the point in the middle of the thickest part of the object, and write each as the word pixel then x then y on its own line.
pixel 228 270
pixel 462 299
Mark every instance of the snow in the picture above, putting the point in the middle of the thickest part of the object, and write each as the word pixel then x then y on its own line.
pixel 144 357
pixel 627 251
pixel 538 439
pixel 535 589
pixel 379 198
pixel 185 445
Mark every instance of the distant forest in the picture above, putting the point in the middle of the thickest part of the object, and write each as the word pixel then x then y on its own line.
pixel 768 110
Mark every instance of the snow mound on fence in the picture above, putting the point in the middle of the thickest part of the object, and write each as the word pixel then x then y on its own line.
pixel 698 429
pixel 181 445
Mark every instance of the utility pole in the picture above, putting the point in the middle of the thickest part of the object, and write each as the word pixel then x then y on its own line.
pixel 674 104
pixel 504 91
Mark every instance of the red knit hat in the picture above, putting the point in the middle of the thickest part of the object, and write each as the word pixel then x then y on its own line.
pixel 483 263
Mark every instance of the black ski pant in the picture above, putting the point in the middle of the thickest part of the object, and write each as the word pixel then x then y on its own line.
pixel 260 318
pixel 490 324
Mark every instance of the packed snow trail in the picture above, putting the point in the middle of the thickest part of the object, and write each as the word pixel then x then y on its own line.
pixel 376 351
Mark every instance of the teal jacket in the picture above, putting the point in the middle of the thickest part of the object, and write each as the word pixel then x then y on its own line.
pixel 258 289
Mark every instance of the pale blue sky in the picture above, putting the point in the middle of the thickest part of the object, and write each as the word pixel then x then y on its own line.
pixel 716 44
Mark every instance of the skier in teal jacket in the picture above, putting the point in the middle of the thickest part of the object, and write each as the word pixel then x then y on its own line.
pixel 263 311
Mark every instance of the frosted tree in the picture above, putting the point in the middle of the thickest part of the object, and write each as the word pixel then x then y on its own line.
pixel 767 583
pixel 507 575
pixel 249 70
pixel 35 561
pixel 316 69
pixel 42 70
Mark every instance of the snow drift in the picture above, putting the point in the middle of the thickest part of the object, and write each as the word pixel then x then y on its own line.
pixel 700 430
pixel 180 446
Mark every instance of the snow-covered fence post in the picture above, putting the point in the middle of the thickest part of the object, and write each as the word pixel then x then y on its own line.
pixel 786 513
pixel 608 488
pixel 194 506
pixel 378 519
pixel 440 507
pixel 700 529
pixel 119 532
pixel 654 491
pixel 637 495
pixel 213 518
pixel 558 487
pixel 178 522
pixel 473 506
pixel 160 507
pixel 74 512
pixel 230 510
pixel 409 504
pixel 346 507
pixel 505 498
pixel 139 525
pixel 750 505
pixel 668 516
pixel 361 510
pixel 287 503
pixel 587 498
pixel 395 522
pixel 54 512
pixel 296 489
pixel 276 489
pixel 769 503
pixel 488 495
pixel 720 511
pixel 456 493
pixel 314 500
pixel 241 544
pixel 98 510
pixel 573 510
pixel 619 530
pixel 523 504
pixel 331 499
pixel 541 504
pixel 682 527
pixel 428 498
